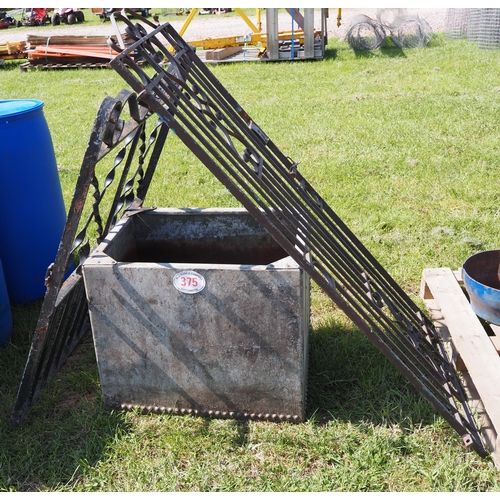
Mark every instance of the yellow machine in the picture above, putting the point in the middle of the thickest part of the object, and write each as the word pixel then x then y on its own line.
pixel 268 42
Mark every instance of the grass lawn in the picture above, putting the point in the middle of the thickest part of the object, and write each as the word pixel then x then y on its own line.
pixel 405 147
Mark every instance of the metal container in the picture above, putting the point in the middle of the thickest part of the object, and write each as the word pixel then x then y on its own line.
pixel 481 276
pixel 199 311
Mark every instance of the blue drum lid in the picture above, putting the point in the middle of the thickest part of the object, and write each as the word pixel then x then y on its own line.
pixel 18 107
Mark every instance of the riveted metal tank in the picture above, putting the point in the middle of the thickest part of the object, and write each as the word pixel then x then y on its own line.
pixel 199 311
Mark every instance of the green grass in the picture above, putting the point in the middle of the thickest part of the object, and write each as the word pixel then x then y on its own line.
pixel 405 147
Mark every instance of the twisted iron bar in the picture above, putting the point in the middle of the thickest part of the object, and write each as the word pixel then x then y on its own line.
pixel 63 317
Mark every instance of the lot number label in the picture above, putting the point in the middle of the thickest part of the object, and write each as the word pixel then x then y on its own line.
pixel 189 282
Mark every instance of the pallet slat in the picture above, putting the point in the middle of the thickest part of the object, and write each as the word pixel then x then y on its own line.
pixel 451 311
pixel 77 65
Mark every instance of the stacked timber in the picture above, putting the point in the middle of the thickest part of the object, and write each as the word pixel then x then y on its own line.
pixel 69 51
pixel 13 50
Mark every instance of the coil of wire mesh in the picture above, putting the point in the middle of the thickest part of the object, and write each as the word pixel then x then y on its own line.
pixel 411 32
pixel 366 33
pixel 387 17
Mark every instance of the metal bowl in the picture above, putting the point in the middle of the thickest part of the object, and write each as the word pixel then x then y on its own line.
pixel 481 275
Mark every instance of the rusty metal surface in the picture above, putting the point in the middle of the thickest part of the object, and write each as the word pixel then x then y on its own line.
pixel 237 415
pixel 201 112
pixel 236 344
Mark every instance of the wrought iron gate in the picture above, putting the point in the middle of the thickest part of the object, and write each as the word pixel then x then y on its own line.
pixel 193 104
pixel 120 125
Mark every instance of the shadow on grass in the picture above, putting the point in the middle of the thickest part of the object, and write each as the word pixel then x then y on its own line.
pixel 350 380
pixel 12 65
pixel 330 53
pixel 392 52
pixel 67 427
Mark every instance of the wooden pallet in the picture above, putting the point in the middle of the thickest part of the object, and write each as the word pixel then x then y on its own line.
pixel 28 65
pixel 13 50
pixel 474 346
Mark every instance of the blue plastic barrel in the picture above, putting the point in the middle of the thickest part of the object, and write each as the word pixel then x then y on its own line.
pixel 32 213
pixel 5 314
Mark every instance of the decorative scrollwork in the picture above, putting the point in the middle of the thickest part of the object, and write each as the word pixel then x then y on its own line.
pixel 116 127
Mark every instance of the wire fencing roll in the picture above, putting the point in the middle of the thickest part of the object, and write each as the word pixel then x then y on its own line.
pixel 480 26
pixel 366 34
pixel 406 31
pixel 387 17
pixel 456 23
pixel 411 33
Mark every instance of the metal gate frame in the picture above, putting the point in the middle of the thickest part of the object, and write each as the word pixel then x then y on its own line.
pixel 120 125
pixel 193 104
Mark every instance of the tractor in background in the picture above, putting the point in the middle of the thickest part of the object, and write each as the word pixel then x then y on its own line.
pixel 67 15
